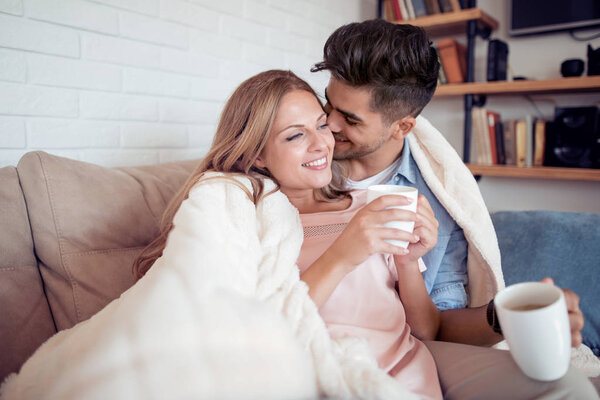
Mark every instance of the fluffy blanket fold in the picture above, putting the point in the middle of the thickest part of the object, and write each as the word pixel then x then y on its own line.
pixel 221 315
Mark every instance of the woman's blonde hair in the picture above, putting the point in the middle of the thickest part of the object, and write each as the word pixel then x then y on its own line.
pixel 241 136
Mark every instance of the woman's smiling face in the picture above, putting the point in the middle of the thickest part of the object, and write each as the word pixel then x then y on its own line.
pixel 299 150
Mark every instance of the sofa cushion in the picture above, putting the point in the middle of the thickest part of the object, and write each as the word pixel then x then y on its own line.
pixel 25 320
pixel 89 223
pixel 561 245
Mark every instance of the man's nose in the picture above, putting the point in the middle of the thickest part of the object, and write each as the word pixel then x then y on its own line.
pixel 333 120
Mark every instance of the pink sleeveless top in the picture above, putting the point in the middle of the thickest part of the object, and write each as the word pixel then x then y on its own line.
pixel 366 304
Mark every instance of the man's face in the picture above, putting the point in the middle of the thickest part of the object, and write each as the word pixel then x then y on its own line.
pixel 358 131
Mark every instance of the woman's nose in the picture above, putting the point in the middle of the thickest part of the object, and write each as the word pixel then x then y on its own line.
pixel 318 141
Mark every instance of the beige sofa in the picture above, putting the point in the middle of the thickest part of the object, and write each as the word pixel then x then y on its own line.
pixel 70 232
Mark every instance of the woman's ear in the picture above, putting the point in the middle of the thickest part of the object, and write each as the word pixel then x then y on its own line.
pixel 403 127
pixel 259 163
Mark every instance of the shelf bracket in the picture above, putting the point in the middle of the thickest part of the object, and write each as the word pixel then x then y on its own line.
pixel 483 32
pixel 479 100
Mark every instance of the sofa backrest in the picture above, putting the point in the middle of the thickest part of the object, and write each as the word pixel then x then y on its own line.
pixel 25 319
pixel 562 245
pixel 88 224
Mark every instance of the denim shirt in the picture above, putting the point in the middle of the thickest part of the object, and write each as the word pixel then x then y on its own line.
pixel 446 274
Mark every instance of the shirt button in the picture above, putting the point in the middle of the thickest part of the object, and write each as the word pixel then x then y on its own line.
pixel 397 178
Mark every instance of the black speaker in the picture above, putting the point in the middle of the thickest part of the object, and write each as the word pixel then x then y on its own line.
pixel 573 138
pixel 497 60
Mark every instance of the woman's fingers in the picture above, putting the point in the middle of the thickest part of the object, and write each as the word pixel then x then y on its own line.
pixel 397 234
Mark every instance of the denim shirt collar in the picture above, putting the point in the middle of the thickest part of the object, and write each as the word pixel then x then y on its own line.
pixel 408 167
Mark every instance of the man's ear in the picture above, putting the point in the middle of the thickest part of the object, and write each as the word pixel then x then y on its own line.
pixel 402 127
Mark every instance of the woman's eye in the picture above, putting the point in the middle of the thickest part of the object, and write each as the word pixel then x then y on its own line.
pixel 323 126
pixel 293 137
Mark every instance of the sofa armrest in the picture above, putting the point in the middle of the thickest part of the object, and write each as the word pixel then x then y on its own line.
pixel 25 321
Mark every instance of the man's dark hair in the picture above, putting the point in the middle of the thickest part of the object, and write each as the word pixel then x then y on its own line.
pixel 396 62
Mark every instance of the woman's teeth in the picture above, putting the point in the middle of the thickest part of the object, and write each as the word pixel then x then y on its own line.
pixel 316 163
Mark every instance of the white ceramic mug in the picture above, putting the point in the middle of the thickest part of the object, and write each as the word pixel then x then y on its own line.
pixel 376 191
pixel 535 323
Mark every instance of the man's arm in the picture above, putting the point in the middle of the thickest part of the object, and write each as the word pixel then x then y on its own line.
pixel 457 322
pixel 467 325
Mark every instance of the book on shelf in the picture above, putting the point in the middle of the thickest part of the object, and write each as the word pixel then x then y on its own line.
pixel 510 142
pixel 409 9
pixel 419 8
pixel 482 137
pixel 454 59
pixel 433 7
pixel 529 140
pixel 442 79
pixel 539 142
pixel 521 143
pixel 492 119
pixel 499 129
pixel 445 6
pixel 397 10
pixel 403 9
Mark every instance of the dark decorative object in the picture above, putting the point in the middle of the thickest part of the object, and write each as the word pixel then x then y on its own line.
pixel 593 61
pixel 572 67
pixel 497 60
pixel 573 138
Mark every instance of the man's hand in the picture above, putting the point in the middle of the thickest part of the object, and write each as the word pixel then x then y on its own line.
pixel 576 319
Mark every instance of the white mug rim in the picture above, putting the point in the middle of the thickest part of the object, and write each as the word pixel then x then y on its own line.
pixel 392 189
pixel 500 298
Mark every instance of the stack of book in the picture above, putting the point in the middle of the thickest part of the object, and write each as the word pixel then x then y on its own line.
pixel 518 142
pixel 405 10
pixel 453 61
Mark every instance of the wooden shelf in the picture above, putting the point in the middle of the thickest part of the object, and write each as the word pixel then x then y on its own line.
pixel 560 85
pixel 452 23
pixel 579 174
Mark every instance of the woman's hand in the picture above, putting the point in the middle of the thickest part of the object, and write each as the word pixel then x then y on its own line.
pixel 365 234
pixel 426 232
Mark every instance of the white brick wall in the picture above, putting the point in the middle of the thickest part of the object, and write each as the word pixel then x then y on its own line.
pixel 133 82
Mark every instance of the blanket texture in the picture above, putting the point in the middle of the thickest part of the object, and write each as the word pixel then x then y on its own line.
pixel 221 315
pixel 453 184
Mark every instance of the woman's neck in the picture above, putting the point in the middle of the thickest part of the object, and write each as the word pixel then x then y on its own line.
pixel 307 203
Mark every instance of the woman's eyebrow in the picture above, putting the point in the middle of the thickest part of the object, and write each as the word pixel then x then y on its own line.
pixel 299 125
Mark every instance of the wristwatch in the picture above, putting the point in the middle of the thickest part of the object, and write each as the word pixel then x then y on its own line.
pixel 492 317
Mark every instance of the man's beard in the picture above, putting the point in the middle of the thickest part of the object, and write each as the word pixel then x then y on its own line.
pixel 357 151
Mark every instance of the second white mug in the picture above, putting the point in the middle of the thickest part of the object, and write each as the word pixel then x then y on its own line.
pixel 535 323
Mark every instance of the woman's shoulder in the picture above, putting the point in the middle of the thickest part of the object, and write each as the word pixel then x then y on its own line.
pixel 212 182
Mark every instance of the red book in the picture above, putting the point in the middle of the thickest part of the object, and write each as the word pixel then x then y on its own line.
pixel 492 118
pixel 397 11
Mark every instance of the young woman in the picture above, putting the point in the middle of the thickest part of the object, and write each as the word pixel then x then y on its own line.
pixel 274 128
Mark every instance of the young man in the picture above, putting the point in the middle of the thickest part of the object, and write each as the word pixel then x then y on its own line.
pixel 382 76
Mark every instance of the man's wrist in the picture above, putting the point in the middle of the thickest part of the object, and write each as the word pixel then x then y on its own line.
pixel 492 318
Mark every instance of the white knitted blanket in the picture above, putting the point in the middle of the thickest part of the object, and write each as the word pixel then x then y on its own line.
pixel 221 315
